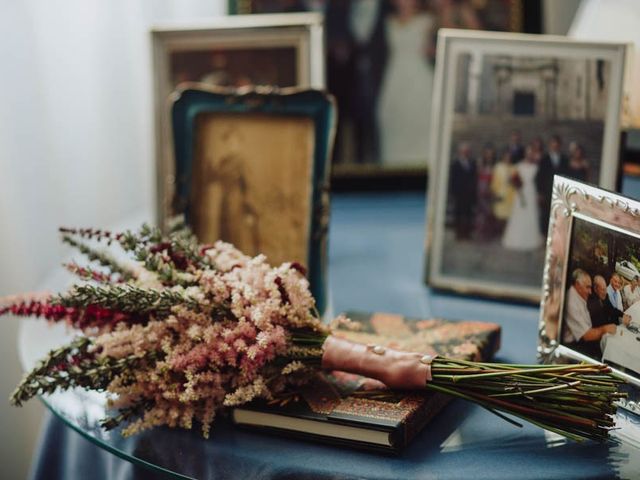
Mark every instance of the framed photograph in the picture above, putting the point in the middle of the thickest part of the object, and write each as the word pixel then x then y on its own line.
pixel 245 51
pixel 252 169
pixel 510 112
pixel 380 67
pixel 591 296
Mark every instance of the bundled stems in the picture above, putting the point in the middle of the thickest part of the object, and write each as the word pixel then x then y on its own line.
pixel 573 400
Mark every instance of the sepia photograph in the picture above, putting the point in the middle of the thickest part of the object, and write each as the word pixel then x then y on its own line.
pixel 511 121
pixel 601 310
pixel 245 168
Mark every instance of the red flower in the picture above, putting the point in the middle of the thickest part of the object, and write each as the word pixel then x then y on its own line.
pixel 516 181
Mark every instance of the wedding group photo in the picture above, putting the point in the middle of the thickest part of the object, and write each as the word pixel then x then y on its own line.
pixel 500 199
pixel 601 308
pixel 510 123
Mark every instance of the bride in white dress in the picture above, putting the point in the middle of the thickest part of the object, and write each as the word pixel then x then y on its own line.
pixel 522 231
pixel 404 110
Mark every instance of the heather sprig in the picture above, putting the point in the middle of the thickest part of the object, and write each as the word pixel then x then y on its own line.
pixel 89 274
pixel 100 257
pixel 74 365
pixel 173 258
pixel 126 298
pixel 42 378
pixel 127 414
pixel 83 317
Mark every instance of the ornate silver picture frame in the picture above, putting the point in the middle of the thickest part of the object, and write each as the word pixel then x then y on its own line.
pixel 510 111
pixel 590 310
pixel 243 52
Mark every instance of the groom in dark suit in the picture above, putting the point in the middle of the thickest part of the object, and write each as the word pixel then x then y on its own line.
pixel 463 188
pixel 554 162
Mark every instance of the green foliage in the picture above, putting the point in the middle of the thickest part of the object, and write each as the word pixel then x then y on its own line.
pixel 73 365
pixel 101 258
pixel 125 298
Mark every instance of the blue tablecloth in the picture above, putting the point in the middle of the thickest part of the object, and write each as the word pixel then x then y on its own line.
pixel 376 264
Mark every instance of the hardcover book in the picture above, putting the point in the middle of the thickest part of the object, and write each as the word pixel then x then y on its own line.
pixel 346 409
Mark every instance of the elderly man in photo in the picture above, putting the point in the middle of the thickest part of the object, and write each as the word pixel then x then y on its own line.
pixel 600 307
pixel 614 290
pixel 578 332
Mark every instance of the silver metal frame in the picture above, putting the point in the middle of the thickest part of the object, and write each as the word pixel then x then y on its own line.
pixel 452 43
pixel 303 31
pixel 572 199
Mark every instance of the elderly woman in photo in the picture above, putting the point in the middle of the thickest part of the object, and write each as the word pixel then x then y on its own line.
pixel 578 331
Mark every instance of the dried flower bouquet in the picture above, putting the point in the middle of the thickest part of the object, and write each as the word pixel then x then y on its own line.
pixel 187 330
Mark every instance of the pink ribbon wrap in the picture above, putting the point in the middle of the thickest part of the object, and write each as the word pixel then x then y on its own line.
pixel 396 369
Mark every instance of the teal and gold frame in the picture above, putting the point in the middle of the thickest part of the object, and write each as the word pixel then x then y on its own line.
pixel 252 168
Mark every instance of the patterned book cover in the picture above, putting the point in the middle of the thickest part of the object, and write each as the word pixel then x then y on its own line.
pixel 352 400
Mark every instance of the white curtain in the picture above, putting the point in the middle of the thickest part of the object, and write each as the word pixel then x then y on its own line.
pixel 76 146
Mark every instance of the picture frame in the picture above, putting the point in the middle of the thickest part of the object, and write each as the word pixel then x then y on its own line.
pixel 229 51
pixel 252 169
pixel 372 47
pixel 591 233
pixel 510 111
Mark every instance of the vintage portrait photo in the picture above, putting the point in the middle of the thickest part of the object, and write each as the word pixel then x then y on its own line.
pixel 601 309
pixel 246 167
pixel 511 121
